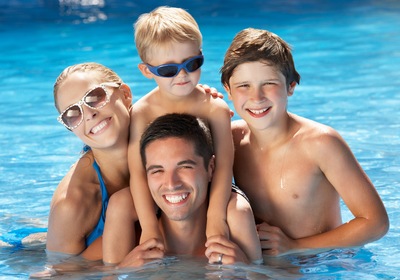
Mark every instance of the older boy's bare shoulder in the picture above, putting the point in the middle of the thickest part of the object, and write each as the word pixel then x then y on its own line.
pixel 317 135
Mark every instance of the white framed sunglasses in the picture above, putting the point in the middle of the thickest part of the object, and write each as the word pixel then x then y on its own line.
pixel 95 98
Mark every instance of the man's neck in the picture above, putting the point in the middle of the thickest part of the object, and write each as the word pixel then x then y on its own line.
pixel 185 237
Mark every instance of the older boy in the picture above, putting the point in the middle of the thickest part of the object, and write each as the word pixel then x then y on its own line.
pixel 293 170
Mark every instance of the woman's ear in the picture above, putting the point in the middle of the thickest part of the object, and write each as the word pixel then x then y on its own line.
pixel 126 95
pixel 145 70
pixel 291 88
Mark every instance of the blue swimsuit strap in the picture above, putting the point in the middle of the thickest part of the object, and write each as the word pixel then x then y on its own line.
pixel 98 230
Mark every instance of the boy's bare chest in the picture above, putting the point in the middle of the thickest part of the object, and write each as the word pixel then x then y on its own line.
pixel 277 182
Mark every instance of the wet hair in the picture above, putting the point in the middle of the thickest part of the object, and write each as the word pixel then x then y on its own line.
pixel 163 26
pixel 251 45
pixel 105 75
pixel 182 126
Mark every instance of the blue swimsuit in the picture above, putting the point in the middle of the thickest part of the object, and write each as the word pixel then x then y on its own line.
pixel 98 230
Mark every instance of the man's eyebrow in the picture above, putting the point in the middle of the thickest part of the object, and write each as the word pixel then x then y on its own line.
pixel 187 161
pixel 151 167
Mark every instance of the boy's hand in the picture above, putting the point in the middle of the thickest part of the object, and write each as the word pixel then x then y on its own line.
pixel 220 250
pixel 148 251
pixel 212 91
pixel 273 240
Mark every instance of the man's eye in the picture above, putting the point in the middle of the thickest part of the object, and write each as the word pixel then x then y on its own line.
pixel 187 167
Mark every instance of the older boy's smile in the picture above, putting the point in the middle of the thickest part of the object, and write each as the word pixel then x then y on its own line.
pixel 258 113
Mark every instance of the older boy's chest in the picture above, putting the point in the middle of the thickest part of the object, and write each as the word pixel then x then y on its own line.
pixel 278 184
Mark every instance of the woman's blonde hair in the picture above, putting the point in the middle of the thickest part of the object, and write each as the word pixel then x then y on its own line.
pixel 164 25
pixel 105 75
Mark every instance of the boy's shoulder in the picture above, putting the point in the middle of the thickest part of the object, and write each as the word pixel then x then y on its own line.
pixel 317 138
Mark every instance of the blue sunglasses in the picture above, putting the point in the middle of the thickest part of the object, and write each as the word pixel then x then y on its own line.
pixel 172 69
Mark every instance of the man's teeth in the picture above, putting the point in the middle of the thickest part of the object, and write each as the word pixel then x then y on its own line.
pixel 176 198
pixel 99 127
pixel 258 111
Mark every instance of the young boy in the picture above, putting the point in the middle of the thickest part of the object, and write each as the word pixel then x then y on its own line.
pixel 293 170
pixel 169 41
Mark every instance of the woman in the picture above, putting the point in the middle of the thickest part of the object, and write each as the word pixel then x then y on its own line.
pixel 94 104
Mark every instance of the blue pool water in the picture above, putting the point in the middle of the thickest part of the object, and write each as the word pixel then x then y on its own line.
pixel 346 52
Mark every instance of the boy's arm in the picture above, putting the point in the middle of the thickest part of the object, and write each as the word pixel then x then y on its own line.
pixel 341 168
pixel 142 198
pixel 222 178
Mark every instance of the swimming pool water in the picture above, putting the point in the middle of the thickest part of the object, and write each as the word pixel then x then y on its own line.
pixel 346 52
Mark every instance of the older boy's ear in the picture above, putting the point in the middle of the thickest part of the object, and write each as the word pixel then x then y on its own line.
pixel 291 88
pixel 228 91
pixel 126 94
pixel 145 70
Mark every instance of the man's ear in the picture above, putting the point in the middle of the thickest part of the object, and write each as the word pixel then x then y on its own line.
pixel 126 95
pixel 211 168
pixel 228 91
pixel 145 70
pixel 291 88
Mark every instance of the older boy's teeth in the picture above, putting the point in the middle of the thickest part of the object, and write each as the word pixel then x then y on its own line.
pixel 176 198
pixel 258 111
pixel 99 127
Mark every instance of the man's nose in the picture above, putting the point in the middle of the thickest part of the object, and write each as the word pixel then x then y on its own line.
pixel 172 180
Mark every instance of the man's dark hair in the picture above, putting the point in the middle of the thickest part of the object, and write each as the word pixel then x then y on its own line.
pixel 183 126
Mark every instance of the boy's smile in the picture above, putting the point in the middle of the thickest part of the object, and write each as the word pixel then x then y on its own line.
pixel 259 93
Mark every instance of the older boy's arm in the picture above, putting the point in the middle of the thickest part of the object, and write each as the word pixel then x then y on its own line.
pixel 222 178
pixel 357 191
pixel 370 220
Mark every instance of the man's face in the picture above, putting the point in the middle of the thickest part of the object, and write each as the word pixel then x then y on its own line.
pixel 176 177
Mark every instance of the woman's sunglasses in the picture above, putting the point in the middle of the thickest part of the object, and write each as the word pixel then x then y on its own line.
pixel 172 69
pixel 96 98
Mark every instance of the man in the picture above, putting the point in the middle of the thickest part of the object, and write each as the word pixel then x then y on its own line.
pixel 177 154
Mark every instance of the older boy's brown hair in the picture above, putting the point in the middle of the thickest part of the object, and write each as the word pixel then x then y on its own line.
pixel 251 45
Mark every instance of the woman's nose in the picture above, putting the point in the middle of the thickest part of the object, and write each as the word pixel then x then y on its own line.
pixel 89 113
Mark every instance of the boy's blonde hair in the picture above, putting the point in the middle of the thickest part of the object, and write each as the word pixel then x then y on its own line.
pixel 251 45
pixel 105 75
pixel 162 26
